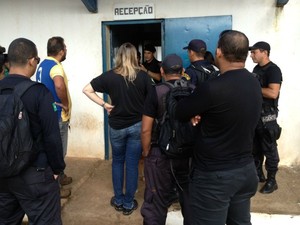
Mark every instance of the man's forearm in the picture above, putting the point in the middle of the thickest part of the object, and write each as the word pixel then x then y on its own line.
pixel 269 93
pixel 62 95
pixel 146 142
pixel 155 76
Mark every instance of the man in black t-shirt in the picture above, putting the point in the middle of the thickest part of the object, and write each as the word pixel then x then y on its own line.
pixel 151 65
pixel 225 111
pixel 267 131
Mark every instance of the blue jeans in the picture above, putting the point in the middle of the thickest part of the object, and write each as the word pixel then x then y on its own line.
pixel 126 153
pixel 222 197
pixel 64 129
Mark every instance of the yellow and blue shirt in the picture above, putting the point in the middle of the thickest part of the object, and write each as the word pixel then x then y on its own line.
pixel 45 74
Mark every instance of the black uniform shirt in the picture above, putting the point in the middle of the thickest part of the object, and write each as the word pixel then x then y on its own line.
pixel 192 71
pixel 153 66
pixel 268 74
pixel 230 107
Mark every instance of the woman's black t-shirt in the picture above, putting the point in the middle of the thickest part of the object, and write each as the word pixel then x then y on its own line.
pixel 126 97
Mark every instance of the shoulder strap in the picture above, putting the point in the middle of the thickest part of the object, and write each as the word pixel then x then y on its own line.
pixel 202 74
pixel 203 69
pixel 22 87
pixel 196 68
pixel 162 91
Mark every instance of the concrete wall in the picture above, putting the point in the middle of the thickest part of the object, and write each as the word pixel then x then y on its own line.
pixel 258 19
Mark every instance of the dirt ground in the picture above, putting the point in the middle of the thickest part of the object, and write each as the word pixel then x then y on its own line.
pixel 92 190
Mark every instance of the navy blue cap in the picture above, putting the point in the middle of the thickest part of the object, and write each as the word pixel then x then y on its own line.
pixel 172 62
pixel 196 45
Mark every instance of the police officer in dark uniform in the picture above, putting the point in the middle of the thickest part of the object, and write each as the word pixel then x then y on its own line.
pixel 199 67
pixel 268 130
pixel 35 191
pixel 166 179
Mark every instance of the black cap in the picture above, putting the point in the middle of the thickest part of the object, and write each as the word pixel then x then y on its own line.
pixel 196 45
pixel 261 45
pixel 149 48
pixel 172 62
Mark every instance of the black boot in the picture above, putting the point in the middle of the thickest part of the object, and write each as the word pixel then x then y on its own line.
pixel 270 185
pixel 260 174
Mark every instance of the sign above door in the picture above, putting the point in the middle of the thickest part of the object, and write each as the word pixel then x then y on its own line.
pixel 130 11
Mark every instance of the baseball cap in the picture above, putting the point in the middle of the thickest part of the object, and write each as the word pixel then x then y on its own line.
pixel 196 45
pixel 149 48
pixel 261 45
pixel 172 62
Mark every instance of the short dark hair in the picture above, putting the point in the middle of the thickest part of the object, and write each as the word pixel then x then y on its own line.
pixel 209 57
pixel 55 45
pixel 234 45
pixel 20 50
pixel 150 48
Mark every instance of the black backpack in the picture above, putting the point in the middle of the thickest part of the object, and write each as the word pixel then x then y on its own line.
pixel 205 73
pixel 16 143
pixel 175 138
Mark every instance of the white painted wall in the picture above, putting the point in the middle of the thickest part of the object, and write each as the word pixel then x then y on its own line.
pixel 258 19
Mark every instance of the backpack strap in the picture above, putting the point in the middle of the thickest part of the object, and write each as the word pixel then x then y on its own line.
pixel 162 90
pixel 23 86
pixel 19 88
pixel 203 73
pixel 203 69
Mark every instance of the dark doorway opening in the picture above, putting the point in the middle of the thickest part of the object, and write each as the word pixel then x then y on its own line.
pixel 138 33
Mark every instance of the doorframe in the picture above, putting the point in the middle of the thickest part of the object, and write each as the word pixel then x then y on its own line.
pixel 107 62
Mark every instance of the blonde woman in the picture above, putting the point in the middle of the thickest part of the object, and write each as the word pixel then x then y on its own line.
pixel 127 86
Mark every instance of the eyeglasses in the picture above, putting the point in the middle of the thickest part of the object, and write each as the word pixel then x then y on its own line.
pixel 36 58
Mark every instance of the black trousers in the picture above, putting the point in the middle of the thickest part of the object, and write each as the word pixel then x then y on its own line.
pixel 166 181
pixel 264 146
pixel 222 197
pixel 34 193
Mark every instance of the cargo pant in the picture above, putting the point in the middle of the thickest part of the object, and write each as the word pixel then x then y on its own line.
pixel 265 145
pixel 162 189
pixel 34 192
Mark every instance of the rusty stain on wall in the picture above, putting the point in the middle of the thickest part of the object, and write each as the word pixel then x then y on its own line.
pixel 86 121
